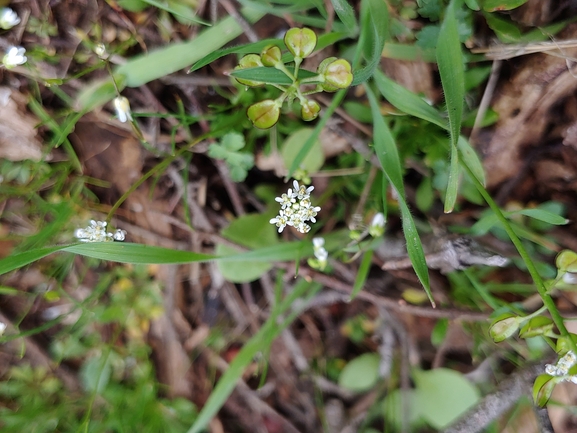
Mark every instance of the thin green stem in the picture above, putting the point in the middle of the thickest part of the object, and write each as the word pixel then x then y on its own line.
pixel 539 283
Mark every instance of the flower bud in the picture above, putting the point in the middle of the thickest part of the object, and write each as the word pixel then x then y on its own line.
pixel 300 42
pixel 310 110
pixel 377 227
pixel 264 114
pixel 566 261
pixel 543 388
pixel 271 55
pixel 249 61
pixel 503 327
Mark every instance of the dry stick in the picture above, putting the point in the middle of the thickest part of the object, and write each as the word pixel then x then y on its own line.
pixel 245 26
pixel 486 99
pixel 497 403
pixel 395 305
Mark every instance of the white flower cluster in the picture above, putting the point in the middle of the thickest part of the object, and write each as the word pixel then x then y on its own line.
pixel 96 232
pixel 296 209
pixel 563 366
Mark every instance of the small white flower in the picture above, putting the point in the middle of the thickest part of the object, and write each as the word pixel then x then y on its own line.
pixel 377 227
pixel 119 235
pixel 318 243
pixel 280 221
pixel 122 107
pixel 8 18
pixel 14 57
pixel 100 50
pixel 2 328
pixel 301 191
pixel 286 200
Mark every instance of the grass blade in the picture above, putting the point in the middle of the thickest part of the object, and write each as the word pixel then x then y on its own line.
pixel 450 60
pixel 362 274
pixel 386 151
pixel 407 101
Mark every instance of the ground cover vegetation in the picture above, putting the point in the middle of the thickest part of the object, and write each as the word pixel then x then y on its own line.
pixel 288 216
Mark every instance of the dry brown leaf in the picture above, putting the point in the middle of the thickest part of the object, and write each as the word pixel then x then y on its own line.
pixel 18 134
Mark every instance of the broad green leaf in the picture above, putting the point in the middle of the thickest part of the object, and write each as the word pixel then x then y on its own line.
pixel 386 150
pixel 314 159
pixel 400 407
pixel 450 60
pixel 260 342
pixel 363 273
pixel 346 14
pixel 166 60
pixel 252 231
pixel 240 272
pixel 361 373
pixel 501 5
pixel 407 101
pixel 443 395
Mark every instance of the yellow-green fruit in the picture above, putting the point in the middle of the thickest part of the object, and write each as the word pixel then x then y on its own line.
pixel 300 42
pixel 264 114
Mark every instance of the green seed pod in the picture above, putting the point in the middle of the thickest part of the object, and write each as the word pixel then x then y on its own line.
pixel 338 74
pixel 264 114
pixel 503 327
pixel 271 55
pixel 300 42
pixel 310 110
pixel 249 61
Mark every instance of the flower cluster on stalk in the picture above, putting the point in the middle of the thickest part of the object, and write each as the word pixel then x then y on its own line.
pixel 563 366
pixel 96 232
pixel 296 209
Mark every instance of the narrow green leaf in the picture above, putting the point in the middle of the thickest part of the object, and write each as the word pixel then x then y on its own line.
pixel 254 47
pixel 346 14
pixel 185 13
pixel 363 273
pixel 407 101
pixel 450 60
pixel 374 32
pixel 260 342
pixel 166 60
pixel 453 182
pixel 269 75
pixel 146 254
pixel 501 5
pixel 542 215
pixel 469 157
pixel 386 151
